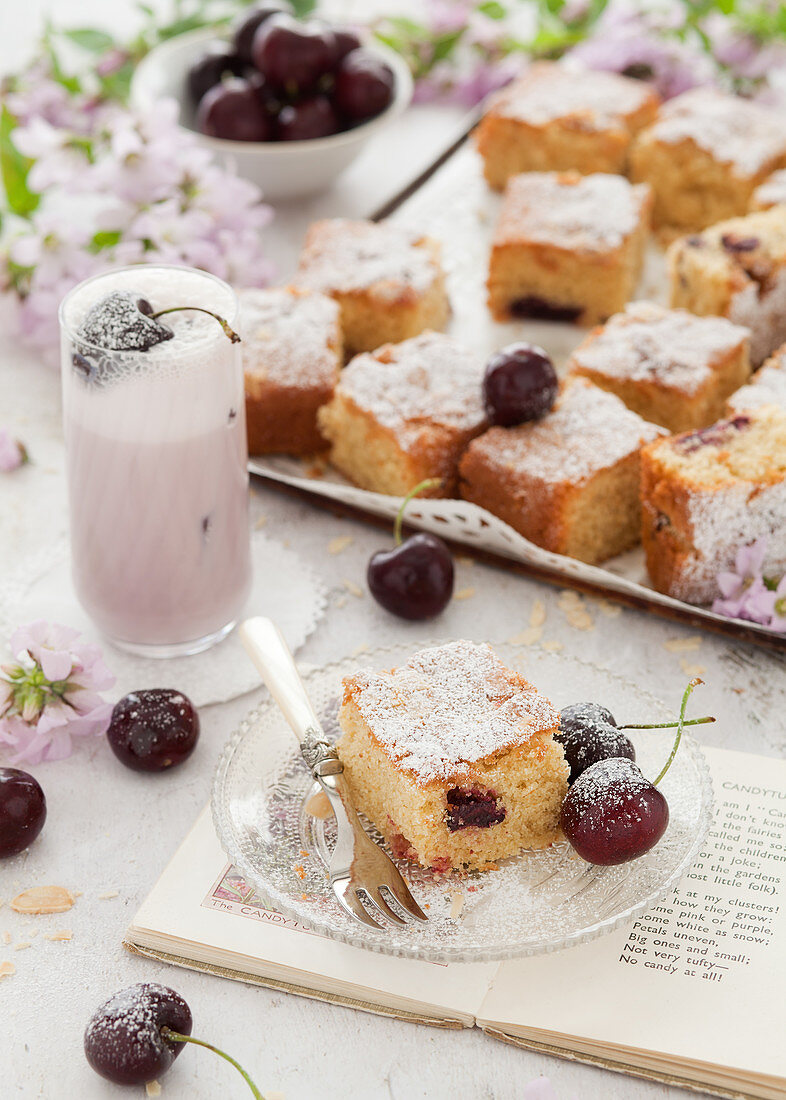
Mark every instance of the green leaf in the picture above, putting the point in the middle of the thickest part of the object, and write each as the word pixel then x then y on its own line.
pixel 492 9
pixel 105 239
pixel 444 44
pixel 14 169
pixel 90 39
pixel 303 7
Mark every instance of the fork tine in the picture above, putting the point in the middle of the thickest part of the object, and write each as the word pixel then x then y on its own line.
pixel 378 898
pixel 403 896
pixel 349 901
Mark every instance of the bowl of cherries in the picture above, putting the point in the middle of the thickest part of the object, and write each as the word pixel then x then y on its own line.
pixel 291 103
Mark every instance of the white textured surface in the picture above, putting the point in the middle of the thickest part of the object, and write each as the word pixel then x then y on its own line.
pixel 113 830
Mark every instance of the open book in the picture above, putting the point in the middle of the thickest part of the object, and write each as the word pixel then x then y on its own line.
pixel 690 993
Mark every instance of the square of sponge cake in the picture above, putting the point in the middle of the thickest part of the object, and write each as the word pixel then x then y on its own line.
pixel 405 413
pixel 387 279
pixel 452 756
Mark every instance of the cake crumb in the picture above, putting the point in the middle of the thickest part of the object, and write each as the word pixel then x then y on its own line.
pixel 352 588
pixel 260 523
pixel 464 594
pixel 7 937
pixel 462 559
pixel 340 601
pixel 553 646
pixel 43 899
pixel 362 648
pixel 318 805
pixel 527 637
pixel 568 597
pixel 682 645
pixel 579 618
pixel 153 1088
pixel 108 895
pixel 62 934
pixel 611 610
pixel 300 871
pixel 537 615
pixel 6 970
pixel 340 544
pixel 692 670
pixel 456 905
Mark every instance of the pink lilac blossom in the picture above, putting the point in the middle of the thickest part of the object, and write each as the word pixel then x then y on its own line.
pixel 746 593
pixel 12 453
pixel 49 693
pixel 120 187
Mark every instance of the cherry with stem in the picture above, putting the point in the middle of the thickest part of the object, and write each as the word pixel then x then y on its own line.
pixel 229 332
pixel 175 1037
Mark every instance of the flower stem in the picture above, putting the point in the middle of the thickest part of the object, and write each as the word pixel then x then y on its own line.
pixel 429 483
pixel 176 1037
pixel 680 724
pixel 230 332
pixel 668 725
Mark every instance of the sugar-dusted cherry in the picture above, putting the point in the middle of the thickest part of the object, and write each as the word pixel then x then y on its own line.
pixel 22 810
pixel 135 1036
pixel 414 579
pixel 520 384
pixel 588 733
pixel 153 730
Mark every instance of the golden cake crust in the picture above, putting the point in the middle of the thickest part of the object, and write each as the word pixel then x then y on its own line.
pixel 292 354
pixel 554 118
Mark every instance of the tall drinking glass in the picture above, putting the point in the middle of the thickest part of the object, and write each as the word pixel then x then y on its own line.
pixel 157 462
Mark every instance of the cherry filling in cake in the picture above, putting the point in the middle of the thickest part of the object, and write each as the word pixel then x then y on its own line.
pixel 714 436
pixel 541 310
pixel 470 806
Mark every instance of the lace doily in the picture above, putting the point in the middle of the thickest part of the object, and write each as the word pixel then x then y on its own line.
pixel 284 589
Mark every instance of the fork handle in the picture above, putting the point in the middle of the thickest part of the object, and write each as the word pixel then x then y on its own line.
pixel 266 647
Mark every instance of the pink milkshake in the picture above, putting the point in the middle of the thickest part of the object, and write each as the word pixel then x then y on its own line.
pixel 155 434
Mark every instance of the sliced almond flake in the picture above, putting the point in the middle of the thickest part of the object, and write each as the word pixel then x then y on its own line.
pixel 153 1088
pixel 340 544
pixel 352 588
pixel 683 645
pixel 260 523
pixel 464 594
pixel 363 648
pixel 462 559
pixel 43 899
pixel 553 647
pixel 527 637
pixel 340 602
pixel 62 934
pixel 456 905
pixel 611 610
pixel 7 969
pixel 108 895
pixel 692 670
pixel 7 937
pixel 568 596
pixel 537 615
pixel 318 805
pixel 22 945
pixel 580 619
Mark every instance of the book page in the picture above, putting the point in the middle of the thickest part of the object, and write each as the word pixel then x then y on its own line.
pixel 201 909
pixel 699 977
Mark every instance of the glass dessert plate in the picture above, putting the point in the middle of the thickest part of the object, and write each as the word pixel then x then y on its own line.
pixel 533 903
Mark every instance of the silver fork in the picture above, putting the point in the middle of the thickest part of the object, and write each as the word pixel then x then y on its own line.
pixel 357 863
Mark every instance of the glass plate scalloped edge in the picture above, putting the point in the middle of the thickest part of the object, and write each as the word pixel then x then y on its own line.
pixel 293 879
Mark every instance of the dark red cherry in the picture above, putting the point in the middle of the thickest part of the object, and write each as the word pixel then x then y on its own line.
pixel 293 56
pixel 365 86
pixel 414 580
pixel 520 384
pixel 123 1041
pixel 243 37
pixel 612 814
pixel 22 811
pixel 153 730
pixel 210 69
pixel 232 110
pixel 312 117
pixel 346 41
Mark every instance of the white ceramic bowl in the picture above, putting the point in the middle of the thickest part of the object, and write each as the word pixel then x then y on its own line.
pixel 283 169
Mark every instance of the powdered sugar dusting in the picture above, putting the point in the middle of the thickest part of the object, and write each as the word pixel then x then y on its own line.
pixel 587 430
pixel 772 192
pixel 671 347
pixel 589 100
pixel 449 706
pixel 594 213
pixel 290 338
pixel 763 311
pixel 731 129
pixel 347 256
pixel 428 381
pixel 608 786
pixel 125 1031
pixel 768 387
